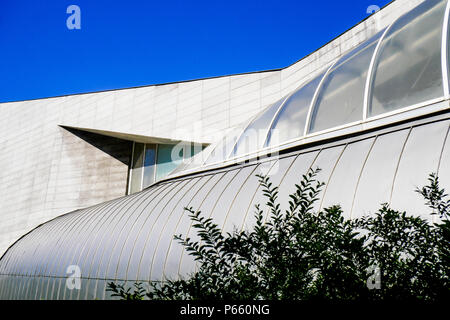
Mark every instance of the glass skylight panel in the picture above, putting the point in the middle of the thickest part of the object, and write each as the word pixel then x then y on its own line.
pixel 291 120
pixel 408 66
pixel 225 146
pixel 255 134
pixel 341 96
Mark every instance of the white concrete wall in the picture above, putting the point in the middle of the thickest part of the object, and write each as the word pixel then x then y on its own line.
pixel 46 171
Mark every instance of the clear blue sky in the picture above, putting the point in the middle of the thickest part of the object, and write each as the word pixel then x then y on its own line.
pixel 125 43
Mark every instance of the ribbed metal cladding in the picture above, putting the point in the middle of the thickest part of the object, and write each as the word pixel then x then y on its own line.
pixel 131 238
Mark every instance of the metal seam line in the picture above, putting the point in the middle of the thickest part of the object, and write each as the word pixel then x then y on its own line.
pixel 88 226
pixel 151 224
pixel 282 178
pixel 285 174
pixel 195 189
pixel 223 174
pixel 168 188
pixel 10 256
pixel 50 252
pixel 237 193
pixel 215 203
pixel 101 230
pixel 360 174
pixel 105 260
pixel 398 164
pixel 82 236
pixel 442 151
pixel 191 184
pixel 241 171
pixel 142 229
pixel 90 262
pixel 55 225
pixel 131 225
pixel 113 222
pixel 13 263
pixel 208 179
pixel 118 227
pixel 332 172
pixel 63 224
pixel 254 194
pixel 440 158
pixel 92 221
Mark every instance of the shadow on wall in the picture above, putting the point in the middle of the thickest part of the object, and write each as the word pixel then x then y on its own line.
pixel 117 148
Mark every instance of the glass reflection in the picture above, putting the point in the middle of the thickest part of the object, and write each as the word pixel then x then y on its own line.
pixel 136 168
pixel 291 120
pixel 149 165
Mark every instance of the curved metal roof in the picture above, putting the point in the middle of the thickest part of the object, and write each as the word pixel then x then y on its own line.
pixel 131 238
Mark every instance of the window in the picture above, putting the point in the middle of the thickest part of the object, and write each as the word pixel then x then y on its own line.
pixel 153 162
pixel 168 158
pixel 136 168
pixel 149 165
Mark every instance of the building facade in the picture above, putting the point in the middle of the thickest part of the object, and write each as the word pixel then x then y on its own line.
pixel 370 109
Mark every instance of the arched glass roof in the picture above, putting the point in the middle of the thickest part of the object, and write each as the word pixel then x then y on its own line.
pixel 402 67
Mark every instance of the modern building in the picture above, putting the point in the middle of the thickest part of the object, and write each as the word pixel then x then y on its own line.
pixel 99 181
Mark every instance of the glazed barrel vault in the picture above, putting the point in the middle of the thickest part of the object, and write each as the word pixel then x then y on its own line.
pixel 376 121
